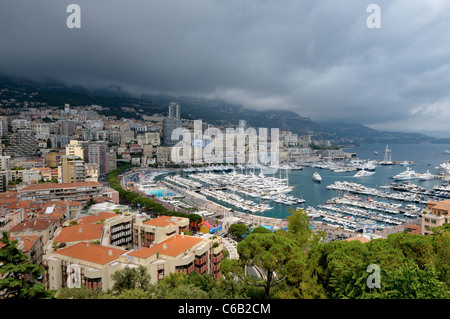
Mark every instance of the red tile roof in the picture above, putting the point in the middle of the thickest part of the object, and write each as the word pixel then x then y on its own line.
pixel 91 252
pixel 163 221
pixel 59 185
pixel 80 233
pixel 95 218
pixel 175 245
pixel 34 224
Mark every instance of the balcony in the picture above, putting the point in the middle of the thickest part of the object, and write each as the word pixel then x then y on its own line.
pixel 215 268
pixel 187 269
pixel 202 269
pixel 217 259
pixel 201 261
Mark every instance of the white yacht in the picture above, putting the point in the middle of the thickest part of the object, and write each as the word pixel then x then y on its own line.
pixel 412 207
pixel 444 168
pixel 316 177
pixel 408 174
pixel 363 173
pixel 426 176
pixel 368 166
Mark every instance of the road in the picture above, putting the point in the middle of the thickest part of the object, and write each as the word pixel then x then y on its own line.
pixel 230 245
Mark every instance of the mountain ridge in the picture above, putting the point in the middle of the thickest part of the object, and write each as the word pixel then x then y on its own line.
pixel 215 112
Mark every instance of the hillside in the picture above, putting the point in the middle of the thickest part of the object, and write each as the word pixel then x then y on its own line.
pixel 213 111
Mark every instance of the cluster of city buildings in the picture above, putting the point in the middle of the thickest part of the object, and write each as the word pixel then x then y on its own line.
pixel 76 144
pixel 85 246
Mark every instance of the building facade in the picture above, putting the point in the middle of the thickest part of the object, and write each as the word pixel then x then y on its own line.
pixel 434 215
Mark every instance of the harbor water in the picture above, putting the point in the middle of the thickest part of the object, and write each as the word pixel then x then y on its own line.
pixel 425 157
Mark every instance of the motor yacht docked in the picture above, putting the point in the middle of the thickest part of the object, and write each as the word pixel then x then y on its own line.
pixel 363 173
pixel 406 175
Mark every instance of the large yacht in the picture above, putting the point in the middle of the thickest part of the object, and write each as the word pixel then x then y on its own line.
pixel 408 174
pixel 444 168
pixel 426 176
pixel 363 173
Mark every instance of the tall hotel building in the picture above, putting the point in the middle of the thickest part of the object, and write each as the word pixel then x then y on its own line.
pixel 170 123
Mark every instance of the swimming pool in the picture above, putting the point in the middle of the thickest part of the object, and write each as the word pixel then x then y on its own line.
pixel 161 192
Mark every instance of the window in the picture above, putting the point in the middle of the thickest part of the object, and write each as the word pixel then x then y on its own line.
pixel 433 221
pixel 427 220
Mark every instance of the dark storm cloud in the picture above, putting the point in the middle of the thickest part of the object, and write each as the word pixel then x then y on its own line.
pixel 317 58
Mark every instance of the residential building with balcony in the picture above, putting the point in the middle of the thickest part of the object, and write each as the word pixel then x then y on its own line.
pixel 92 265
pixel 80 191
pixel 146 233
pixel 72 169
pixel 435 214
pixel 74 148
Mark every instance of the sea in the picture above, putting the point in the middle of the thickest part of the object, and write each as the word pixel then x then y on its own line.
pixel 425 157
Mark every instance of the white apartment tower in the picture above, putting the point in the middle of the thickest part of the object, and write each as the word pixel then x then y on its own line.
pixel 74 148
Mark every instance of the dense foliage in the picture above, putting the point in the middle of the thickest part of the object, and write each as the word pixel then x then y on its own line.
pixel 291 264
pixel 297 264
pixel 18 275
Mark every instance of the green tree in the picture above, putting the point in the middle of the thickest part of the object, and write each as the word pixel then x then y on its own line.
pixel 411 282
pixel 130 278
pixel 272 254
pixel 18 275
pixel 164 287
pixel 299 229
pixel 238 231
pixel 261 230
pixel 79 293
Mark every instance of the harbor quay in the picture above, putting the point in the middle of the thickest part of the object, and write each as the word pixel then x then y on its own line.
pixel 203 203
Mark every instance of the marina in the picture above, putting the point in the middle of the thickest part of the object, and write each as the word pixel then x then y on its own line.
pixel 349 194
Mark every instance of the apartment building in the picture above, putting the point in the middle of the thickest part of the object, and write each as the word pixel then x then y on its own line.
pixel 105 227
pixel 179 253
pixel 80 191
pixel 53 158
pixel 153 230
pixel 82 264
pixel 152 138
pixel 72 169
pixel 31 246
pixel 92 265
pixel 74 148
pixel 21 144
pixel 5 163
pixel 42 227
pixel 435 214
pixel 97 155
pixel 163 154
pixel 19 124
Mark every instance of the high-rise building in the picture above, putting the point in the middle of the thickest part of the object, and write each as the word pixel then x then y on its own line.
pixel 5 163
pixel 72 170
pixel 174 110
pixel 3 125
pixel 171 123
pixel 67 128
pixel 98 155
pixel 21 144
pixel 5 173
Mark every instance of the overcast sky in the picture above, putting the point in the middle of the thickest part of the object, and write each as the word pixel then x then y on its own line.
pixel 315 57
